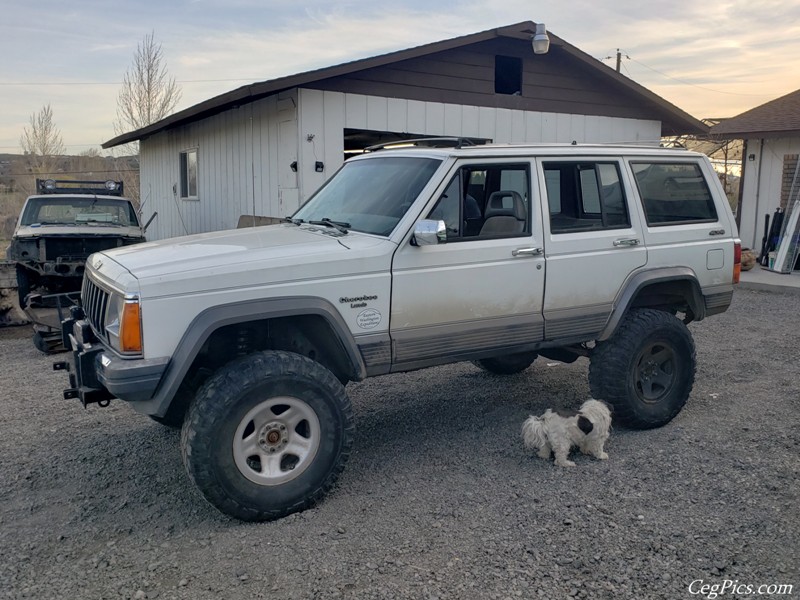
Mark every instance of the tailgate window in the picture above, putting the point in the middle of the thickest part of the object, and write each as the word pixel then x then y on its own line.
pixel 674 193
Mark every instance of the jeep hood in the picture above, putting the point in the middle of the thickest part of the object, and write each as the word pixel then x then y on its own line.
pixel 245 258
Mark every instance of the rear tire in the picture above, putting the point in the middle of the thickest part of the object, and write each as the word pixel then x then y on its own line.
pixel 645 370
pixel 507 365
pixel 267 435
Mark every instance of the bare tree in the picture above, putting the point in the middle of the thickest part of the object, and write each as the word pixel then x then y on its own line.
pixel 41 142
pixel 148 95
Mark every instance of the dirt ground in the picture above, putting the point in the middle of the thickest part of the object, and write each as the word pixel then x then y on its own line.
pixel 439 499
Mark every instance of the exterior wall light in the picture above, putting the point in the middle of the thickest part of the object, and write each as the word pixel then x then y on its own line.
pixel 540 41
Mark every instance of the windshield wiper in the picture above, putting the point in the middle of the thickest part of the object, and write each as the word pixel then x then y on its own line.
pixel 294 221
pixel 99 222
pixel 340 226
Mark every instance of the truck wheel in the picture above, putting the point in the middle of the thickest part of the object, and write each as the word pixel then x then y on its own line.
pixel 506 365
pixel 645 370
pixel 267 435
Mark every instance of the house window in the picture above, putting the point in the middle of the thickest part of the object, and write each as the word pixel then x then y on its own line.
pixel 188 166
pixel 507 75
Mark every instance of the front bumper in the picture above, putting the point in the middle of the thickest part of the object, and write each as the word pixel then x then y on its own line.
pixel 96 375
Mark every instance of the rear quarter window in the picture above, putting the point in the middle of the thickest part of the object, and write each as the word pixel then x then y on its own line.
pixel 674 193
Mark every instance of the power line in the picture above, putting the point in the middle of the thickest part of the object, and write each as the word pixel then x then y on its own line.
pixel 66 145
pixel 698 86
pixel 51 83
pixel 623 55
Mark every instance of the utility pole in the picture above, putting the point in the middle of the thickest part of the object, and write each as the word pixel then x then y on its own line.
pixel 620 56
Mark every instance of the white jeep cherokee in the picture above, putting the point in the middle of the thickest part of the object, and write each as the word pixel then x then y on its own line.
pixel 407 258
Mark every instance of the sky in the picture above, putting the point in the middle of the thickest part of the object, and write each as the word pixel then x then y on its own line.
pixel 715 58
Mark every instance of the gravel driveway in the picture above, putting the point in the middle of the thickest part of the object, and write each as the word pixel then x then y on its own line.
pixel 439 499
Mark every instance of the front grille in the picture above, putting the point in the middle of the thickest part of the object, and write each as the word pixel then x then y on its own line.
pixel 95 305
pixel 77 248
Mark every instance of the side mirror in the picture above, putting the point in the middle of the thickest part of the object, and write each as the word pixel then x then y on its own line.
pixel 428 232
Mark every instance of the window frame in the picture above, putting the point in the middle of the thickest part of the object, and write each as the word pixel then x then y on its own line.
pixel 184 184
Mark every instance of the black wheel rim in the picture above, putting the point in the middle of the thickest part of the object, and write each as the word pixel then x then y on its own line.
pixel 655 373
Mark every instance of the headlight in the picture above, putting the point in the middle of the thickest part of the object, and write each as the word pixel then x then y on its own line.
pixel 124 324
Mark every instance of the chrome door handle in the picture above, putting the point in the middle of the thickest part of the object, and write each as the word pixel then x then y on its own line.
pixel 527 252
pixel 627 242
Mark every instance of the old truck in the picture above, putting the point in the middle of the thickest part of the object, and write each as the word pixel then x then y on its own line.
pixel 57 230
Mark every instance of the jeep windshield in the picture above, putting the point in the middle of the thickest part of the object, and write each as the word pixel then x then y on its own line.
pixel 79 211
pixel 370 196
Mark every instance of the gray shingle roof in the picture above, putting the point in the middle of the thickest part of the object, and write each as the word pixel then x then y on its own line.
pixel 777 118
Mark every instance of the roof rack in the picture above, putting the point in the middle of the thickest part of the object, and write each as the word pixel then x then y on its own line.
pixel 69 186
pixel 430 142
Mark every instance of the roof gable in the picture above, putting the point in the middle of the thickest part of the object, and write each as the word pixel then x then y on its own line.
pixel 629 98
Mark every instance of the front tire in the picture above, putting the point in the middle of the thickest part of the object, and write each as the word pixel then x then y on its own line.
pixel 510 364
pixel 645 370
pixel 267 435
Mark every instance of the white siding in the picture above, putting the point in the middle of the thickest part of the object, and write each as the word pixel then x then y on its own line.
pixel 761 194
pixel 244 154
pixel 242 168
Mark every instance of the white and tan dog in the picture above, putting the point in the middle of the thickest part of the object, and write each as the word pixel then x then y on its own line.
pixel 555 432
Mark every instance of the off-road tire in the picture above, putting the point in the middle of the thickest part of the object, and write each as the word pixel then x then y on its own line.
pixel 510 364
pixel 645 370
pixel 221 406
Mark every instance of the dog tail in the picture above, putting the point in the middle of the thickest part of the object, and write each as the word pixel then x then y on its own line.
pixel 533 433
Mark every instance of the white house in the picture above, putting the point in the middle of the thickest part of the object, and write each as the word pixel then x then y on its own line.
pixel 264 148
pixel 770 169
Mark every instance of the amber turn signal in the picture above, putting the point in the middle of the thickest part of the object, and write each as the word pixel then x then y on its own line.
pixel 131 328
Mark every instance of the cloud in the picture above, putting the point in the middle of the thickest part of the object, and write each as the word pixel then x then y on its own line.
pixel 716 58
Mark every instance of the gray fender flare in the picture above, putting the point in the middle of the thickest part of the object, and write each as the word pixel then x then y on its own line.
pixel 211 319
pixel 637 281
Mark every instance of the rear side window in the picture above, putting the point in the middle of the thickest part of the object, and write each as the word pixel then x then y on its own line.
pixel 674 193
pixel 584 196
